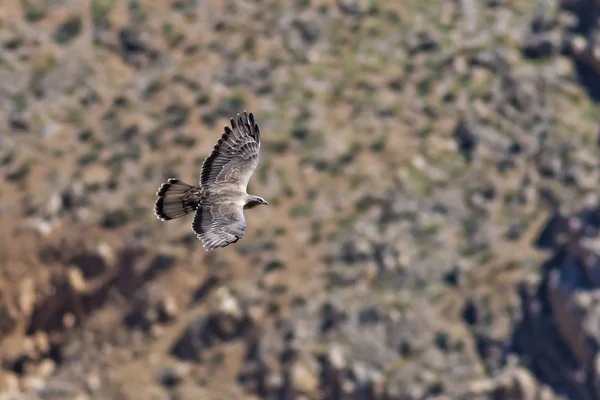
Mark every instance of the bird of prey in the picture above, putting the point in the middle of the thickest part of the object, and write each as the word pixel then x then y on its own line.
pixel 221 197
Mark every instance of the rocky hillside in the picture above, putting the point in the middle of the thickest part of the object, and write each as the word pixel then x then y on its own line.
pixel 432 172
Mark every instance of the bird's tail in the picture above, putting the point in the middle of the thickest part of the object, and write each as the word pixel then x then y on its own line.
pixel 175 199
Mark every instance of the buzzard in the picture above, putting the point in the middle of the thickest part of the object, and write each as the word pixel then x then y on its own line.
pixel 221 197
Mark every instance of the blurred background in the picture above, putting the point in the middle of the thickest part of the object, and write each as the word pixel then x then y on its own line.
pixel 432 174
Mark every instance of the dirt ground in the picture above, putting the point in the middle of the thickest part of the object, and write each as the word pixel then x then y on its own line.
pixel 432 174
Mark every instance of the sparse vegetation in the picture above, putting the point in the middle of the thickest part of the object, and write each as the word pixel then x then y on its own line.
pixel 416 157
pixel 68 30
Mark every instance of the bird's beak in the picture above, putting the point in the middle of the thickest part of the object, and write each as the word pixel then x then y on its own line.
pixel 265 202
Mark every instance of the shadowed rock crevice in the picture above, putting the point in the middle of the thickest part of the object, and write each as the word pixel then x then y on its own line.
pixel 557 338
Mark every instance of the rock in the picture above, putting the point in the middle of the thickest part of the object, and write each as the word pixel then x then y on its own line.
pixel 471 313
pixel 27 296
pixel 8 315
pixel 569 317
pixel 167 308
pixel 41 342
pixel 524 384
pixel 331 317
pixel 226 321
pixel 423 41
pixel 369 315
pixel 93 382
pixel 353 7
pixel 76 280
pixel 74 197
pixel 543 44
pixel 194 339
pixel 45 368
pixel 515 384
pixel 54 205
pixel 482 387
pixel 8 381
pixel 304 376
pixel 43 227
pixel 227 304
pixel 454 277
pixel 172 376
pixel 309 30
pixel 106 253
pixel 131 41
pixel 33 383
pixel 144 311
pixel 566 312
pixel 69 320
pixel 553 233
pixel 386 257
pixel 18 121
pixel 466 139
pixel 337 357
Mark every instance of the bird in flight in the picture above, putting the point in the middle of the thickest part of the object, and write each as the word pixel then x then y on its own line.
pixel 221 197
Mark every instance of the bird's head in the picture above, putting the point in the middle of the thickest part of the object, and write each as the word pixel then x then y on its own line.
pixel 254 201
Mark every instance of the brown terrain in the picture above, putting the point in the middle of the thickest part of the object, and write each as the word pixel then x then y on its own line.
pixel 432 174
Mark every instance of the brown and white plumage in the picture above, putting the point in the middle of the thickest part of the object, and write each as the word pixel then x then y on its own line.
pixel 221 197
pixel 234 157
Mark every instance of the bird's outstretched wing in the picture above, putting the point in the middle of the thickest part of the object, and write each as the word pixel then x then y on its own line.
pixel 234 157
pixel 218 224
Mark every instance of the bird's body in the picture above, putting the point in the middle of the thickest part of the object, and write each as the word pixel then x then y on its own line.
pixel 220 198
